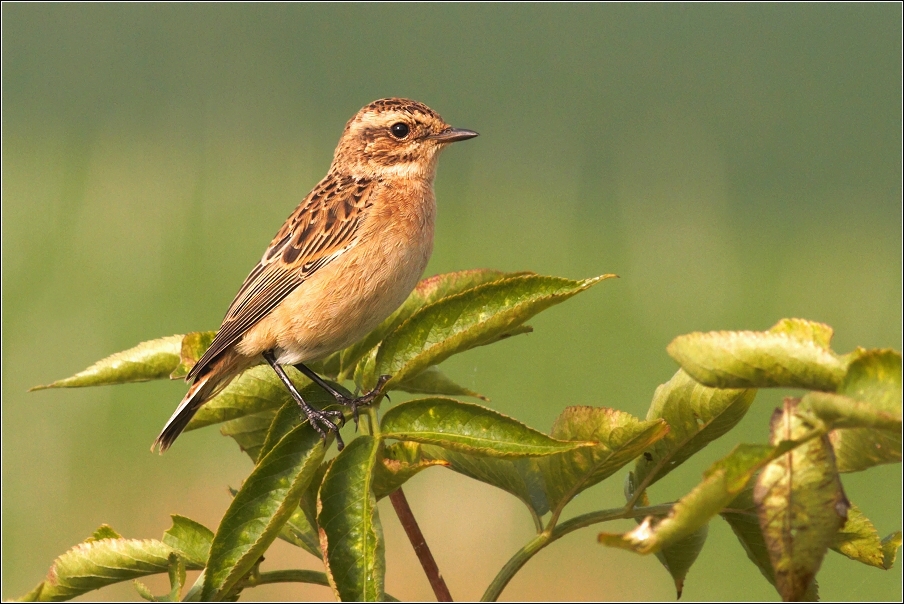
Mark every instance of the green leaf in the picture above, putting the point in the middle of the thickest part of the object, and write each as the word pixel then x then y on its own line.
pixel 696 415
pixel 301 528
pixel 260 509
pixel 873 377
pixel 97 563
pixel 291 415
pixel 194 345
pixel 151 360
pixel 250 431
pixel 859 540
pixel 144 591
pixel 434 381
pixel 351 536
pixel 176 573
pixel 255 390
pixel 722 482
pixel 800 503
pixel 468 428
pixel 191 539
pixel 679 556
pixel 890 546
pixel 299 531
pixel 396 464
pixel 462 321
pixel 793 354
pixel 520 477
pixel 427 291
pixel 618 439
pixel 741 516
pixel 839 411
pixel 104 531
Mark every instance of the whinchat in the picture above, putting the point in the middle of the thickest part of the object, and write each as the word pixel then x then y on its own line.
pixel 344 260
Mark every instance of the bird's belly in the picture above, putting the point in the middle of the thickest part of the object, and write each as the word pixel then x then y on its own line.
pixel 343 301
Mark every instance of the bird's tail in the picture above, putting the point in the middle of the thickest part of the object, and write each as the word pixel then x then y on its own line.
pixel 210 382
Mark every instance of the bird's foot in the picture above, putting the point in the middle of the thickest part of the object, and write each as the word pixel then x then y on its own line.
pixel 365 400
pixel 325 421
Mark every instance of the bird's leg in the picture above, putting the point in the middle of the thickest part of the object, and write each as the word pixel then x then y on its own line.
pixel 354 403
pixel 321 420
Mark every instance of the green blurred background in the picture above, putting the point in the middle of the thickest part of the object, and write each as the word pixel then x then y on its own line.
pixel 734 164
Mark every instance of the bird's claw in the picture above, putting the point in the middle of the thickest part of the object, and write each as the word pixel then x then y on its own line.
pixel 364 400
pixel 328 421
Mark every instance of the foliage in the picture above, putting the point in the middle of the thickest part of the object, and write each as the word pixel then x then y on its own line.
pixel 783 499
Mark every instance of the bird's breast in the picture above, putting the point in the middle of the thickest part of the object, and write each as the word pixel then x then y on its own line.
pixel 343 301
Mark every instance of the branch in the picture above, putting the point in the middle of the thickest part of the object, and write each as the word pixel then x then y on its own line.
pixel 548 536
pixel 406 516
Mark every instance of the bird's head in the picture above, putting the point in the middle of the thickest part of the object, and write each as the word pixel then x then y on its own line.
pixel 395 137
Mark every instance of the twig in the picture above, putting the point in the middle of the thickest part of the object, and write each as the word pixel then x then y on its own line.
pixel 553 534
pixel 406 516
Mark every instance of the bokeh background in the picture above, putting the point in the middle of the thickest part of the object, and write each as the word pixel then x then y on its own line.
pixel 734 164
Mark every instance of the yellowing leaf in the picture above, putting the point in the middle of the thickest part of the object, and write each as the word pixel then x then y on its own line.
pixel 793 354
pixel 800 503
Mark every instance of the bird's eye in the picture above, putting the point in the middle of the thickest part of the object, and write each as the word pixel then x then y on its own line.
pixel 399 130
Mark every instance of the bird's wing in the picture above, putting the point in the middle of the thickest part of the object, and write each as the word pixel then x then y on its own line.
pixel 321 229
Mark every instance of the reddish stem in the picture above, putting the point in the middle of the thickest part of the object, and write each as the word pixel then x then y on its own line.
pixel 403 511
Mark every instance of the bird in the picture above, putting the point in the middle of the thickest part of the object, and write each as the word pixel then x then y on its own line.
pixel 343 261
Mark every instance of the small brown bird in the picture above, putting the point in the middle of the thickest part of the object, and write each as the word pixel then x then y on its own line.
pixel 345 259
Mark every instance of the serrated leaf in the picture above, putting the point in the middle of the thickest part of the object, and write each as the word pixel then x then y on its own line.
pixel 890 546
pixel 191 539
pixel 257 389
pixel 351 537
pixel 151 360
pixel 840 411
pixel 800 503
pixel 722 482
pixel 803 329
pixel 194 345
pixel 678 557
pixel 259 510
pixel 427 291
pixel 301 528
pixel 468 428
pixel 291 415
pixel 299 532
pixel 396 464
pixel 250 431
pixel 434 381
pixel 98 563
pixel 741 516
pixel 874 377
pixel 859 540
pixel 519 477
pixel 144 591
pixel 618 438
pixel 696 415
pixel 176 573
pixel 104 531
pixel 796 357
pixel 462 321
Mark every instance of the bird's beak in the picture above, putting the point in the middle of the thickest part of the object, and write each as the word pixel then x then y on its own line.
pixel 450 135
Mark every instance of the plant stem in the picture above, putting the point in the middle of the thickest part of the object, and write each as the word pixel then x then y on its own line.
pixel 289 576
pixel 406 516
pixel 548 536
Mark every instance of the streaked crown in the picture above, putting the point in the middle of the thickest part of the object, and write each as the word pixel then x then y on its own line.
pixel 394 137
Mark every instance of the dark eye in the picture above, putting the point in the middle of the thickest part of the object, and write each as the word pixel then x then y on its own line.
pixel 399 130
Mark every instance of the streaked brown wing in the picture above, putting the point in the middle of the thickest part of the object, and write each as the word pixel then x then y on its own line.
pixel 321 229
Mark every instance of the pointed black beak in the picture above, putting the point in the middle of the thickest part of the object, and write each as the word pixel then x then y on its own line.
pixel 451 135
